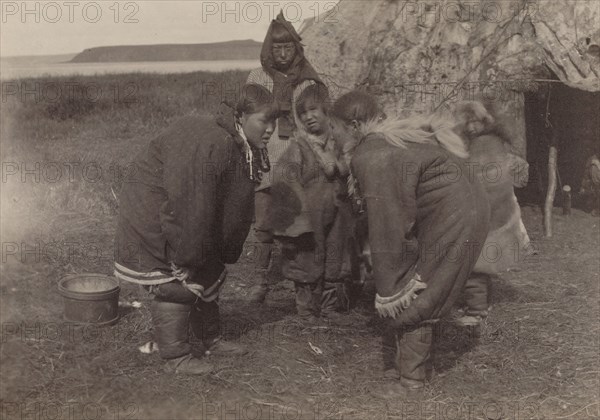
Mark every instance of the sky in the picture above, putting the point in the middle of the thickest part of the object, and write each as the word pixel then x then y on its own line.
pixel 70 26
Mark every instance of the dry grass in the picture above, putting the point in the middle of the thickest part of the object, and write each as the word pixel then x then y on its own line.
pixel 537 356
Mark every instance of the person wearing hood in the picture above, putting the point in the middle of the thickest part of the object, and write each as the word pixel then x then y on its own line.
pixel 286 73
pixel 184 216
pixel 310 215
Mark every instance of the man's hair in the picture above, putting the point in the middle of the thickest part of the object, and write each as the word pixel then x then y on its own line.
pixel 280 34
pixel 317 94
pixel 356 105
pixel 256 98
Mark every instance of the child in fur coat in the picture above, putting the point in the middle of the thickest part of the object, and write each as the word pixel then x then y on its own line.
pixel 310 214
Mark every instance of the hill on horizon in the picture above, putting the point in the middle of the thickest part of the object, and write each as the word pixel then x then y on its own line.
pixel 229 50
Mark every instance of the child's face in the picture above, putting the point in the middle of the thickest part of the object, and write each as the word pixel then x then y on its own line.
pixel 473 127
pixel 283 55
pixel 313 118
pixel 258 128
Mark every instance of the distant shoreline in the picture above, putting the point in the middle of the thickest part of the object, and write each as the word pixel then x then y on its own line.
pixel 65 69
pixel 219 51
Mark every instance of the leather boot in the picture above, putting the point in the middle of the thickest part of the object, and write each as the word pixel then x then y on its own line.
pixel 330 304
pixel 205 323
pixel 258 292
pixel 414 355
pixel 305 302
pixel 171 322
pixel 476 297
pixel 389 353
pixel 220 347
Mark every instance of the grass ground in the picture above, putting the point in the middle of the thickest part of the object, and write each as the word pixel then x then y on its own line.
pixel 537 357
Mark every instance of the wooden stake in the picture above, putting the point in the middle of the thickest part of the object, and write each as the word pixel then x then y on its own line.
pixel 566 200
pixel 551 191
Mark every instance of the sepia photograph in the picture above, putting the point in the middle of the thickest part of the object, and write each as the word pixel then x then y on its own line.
pixel 300 209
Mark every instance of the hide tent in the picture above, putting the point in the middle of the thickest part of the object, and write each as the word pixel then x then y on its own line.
pixel 519 57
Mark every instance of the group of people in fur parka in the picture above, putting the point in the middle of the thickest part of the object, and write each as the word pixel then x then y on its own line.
pixel 302 162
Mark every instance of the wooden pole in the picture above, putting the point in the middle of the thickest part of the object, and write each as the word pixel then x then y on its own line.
pixel 551 191
pixel 566 200
pixel 550 135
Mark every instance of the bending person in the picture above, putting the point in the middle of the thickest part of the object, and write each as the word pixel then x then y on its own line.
pixel 186 215
pixel 427 222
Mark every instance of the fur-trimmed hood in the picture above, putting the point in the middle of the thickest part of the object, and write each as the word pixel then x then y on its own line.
pixel 429 129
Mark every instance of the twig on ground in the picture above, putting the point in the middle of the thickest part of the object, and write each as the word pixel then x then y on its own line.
pixel 579 411
pixel 251 387
pixel 216 375
pixel 306 362
pixel 259 402
pixel 280 371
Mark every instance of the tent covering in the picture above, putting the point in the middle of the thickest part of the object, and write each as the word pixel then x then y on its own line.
pixel 417 55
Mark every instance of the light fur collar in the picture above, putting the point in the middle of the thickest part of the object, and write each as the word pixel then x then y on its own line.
pixel 430 129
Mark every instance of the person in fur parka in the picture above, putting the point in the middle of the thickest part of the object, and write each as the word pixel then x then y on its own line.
pixel 492 162
pixel 427 222
pixel 310 215
pixel 285 72
pixel 185 215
